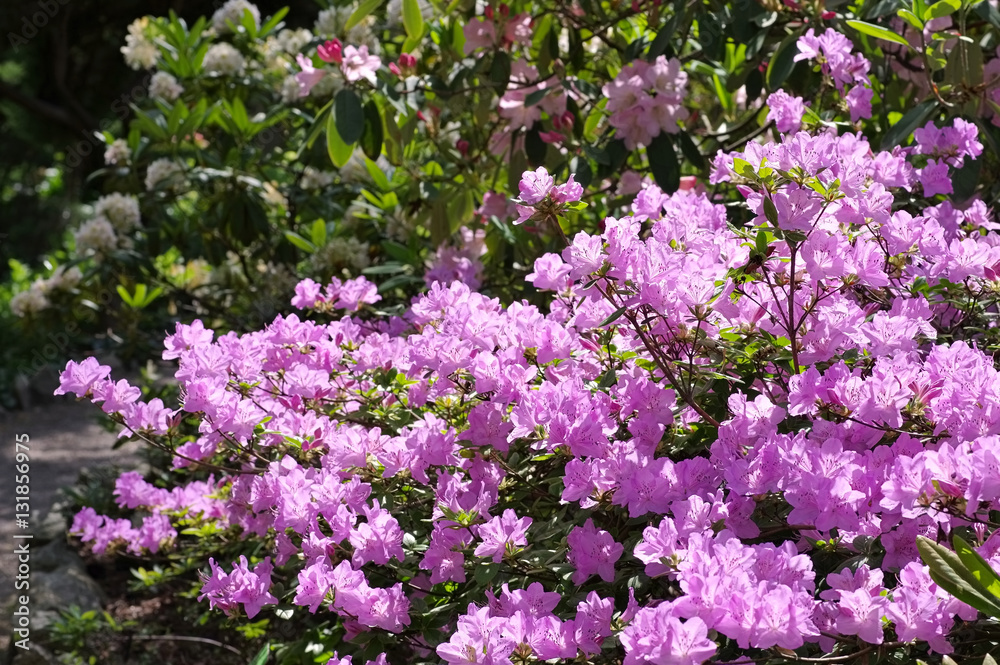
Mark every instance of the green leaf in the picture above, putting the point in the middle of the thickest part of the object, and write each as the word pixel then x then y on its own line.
pixel 378 176
pixel 339 151
pixel 770 211
pixel 272 22
pixel 660 43
pixel 664 164
pixel 485 573
pixel 980 568
pixel 318 233
pixel 690 151
pixel 350 115
pixel 300 242
pixel 413 20
pixel 782 62
pixel 966 179
pixel 374 133
pixel 911 18
pixel 949 573
pixel 942 8
pixel 534 147
pixel 125 295
pixel 262 655
pixel 317 128
pixel 878 32
pixel 500 71
pixel 914 118
pixel 761 242
pixel 363 10
pixel 614 317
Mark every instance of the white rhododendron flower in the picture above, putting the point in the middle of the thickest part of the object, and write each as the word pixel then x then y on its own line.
pixel 224 59
pixel 232 12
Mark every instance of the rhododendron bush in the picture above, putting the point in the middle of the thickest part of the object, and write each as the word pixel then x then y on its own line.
pixel 714 442
pixel 387 138
pixel 698 411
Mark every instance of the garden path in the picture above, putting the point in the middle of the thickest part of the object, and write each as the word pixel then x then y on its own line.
pixel 65 439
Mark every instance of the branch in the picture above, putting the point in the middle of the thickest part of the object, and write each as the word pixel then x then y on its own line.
pixel 35 105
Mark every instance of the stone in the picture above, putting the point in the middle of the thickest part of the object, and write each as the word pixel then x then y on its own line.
pixel 57 554
pixel 59 590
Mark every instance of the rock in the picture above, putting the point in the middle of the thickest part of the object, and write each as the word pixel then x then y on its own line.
pixel 35 655
pixel 52 527
pixel 57 554
pixel 59 590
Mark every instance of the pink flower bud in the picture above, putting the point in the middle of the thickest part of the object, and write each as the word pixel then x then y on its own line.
pixel 331 51
pixel 551 137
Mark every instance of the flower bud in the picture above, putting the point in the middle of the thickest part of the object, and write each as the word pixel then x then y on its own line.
pixel 331 51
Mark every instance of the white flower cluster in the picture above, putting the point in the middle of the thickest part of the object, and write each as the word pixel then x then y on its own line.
pixel 355 172
pixel 121 210
pixel 316 179
pixel 35 299
pixel 164 86
pixel 330 23
pixel 293 41
pixel 290 89
pixel 28 302
pixel 232 12
pixel 162 170
pixel 140 52
pixel 117 153
pixel 223 59
pixel 96 236
pixel 341 254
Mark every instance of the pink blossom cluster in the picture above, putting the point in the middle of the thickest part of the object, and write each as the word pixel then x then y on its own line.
pixel 355 64
pixel 730 415
pixel 461 263
pixel 646 99
pixel 833 51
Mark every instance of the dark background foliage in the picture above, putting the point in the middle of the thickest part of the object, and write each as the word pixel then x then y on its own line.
pixel 62 78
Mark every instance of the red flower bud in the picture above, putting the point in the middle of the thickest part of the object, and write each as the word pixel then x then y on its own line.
pixel 331 51
pixel 488 13
pixel 463 147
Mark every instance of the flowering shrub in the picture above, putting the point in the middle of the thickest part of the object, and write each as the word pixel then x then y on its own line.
pixel 714 426
pixel 717 442
pixel 219 193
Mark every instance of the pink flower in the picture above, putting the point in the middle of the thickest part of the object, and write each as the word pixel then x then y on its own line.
pixel 568 192
pixel 79 378
pixel 307 293
pixel 479 33
pixel 358 64
pixel 502 533
pixel 593 551
pixel 309 76
pixel 535 186
pixel 786 111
